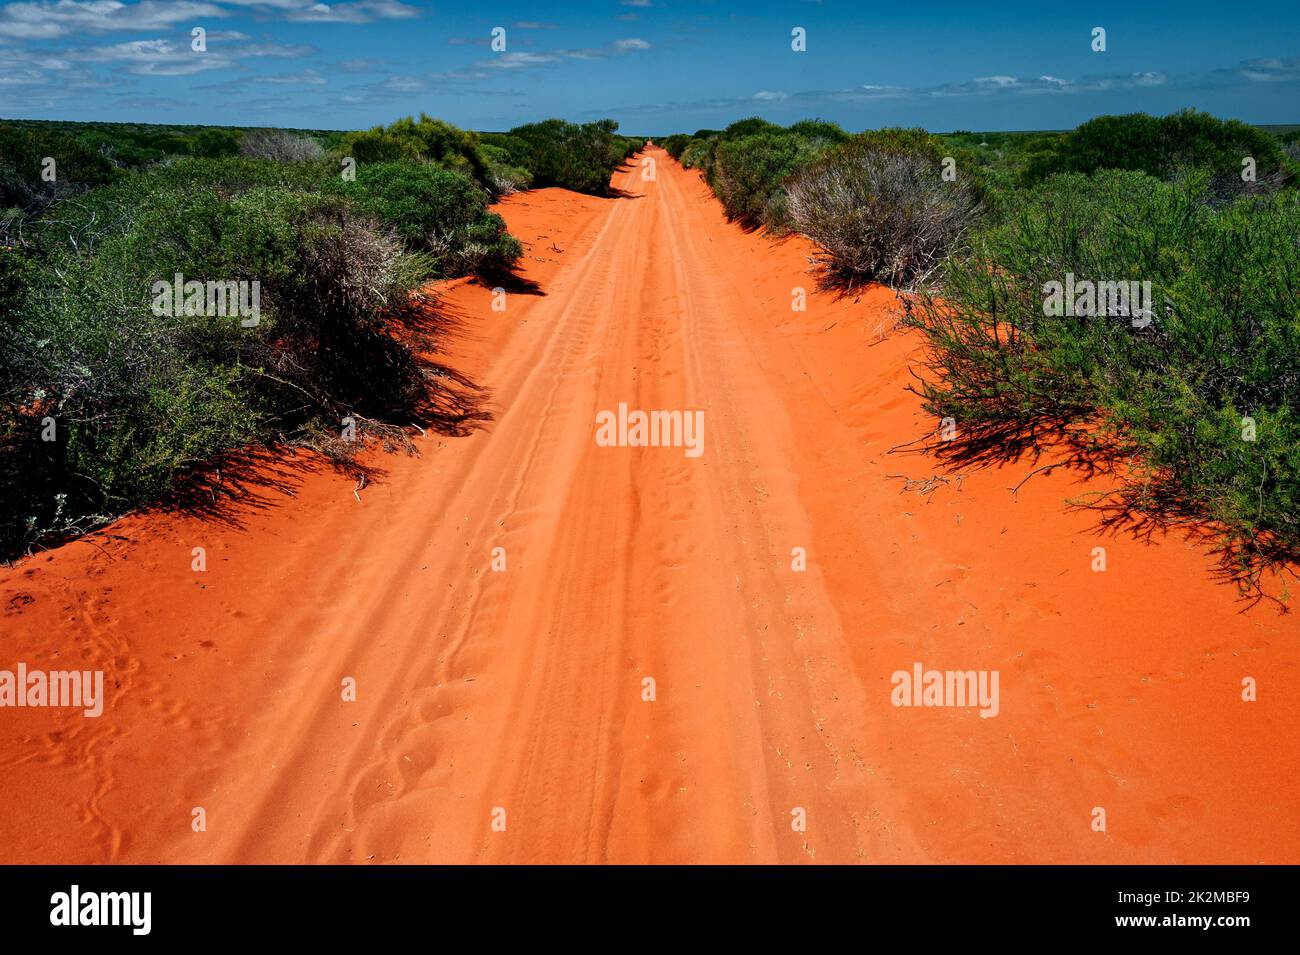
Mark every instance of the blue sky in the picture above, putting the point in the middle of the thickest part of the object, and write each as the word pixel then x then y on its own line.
pixel 657 66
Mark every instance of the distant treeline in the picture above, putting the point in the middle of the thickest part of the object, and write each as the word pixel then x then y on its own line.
pixel 135 145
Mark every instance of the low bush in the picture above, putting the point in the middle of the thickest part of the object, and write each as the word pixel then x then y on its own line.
pixel 1165 147
pixel 214 143
pixel 559 153
pixel 674 145
pixel 30 183
pixel 280 146
pixel 880 209
pixel 98 210
pixel 1206 396
pixel 141 398
pixel 748 174
pixel 424 139
pixel 749 127
pixel 818 131
pixel 436 211
pixel 698 154
pixel 506 178
pixel 747 163
pixel 690 150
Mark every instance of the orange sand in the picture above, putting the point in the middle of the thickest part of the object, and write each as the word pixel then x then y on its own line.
pixel 523 689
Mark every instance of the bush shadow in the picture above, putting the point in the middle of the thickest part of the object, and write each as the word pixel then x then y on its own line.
pixel 614 192
pixel 1142 507
pixel 510 280
pixel 230 488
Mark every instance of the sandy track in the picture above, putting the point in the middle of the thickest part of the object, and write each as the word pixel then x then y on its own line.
pixel 522 690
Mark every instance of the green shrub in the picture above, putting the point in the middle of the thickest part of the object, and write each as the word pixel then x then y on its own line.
pixel 818 130
pixel 23 155
pixel 631 145
pixel 698 154
pixel 559 153
pixel 434 211
pixel 880 208
pixel 142 398
pixel 376 145
pixel 430 140
pixel 233 175
pixel 675 144
pixel 214 143
pixel 437 211
pixel 1164 147
pixel 506 178
pixel 1220 348
pixel 749 127
pixel 748 172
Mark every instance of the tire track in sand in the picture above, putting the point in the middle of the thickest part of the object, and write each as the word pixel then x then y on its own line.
pixel 522 689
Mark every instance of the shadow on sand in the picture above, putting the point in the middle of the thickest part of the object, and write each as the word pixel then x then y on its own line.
pixel 231 487
pixel 1139 505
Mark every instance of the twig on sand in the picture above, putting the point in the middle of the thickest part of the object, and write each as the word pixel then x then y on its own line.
pixel 1046 467
pixel 923 486
pixel 100 549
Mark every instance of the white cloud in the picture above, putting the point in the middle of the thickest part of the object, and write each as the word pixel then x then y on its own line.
pixel 271 49
pixel 56 19
pixel 514 61
pixel 522 60
pixel 403 84
pixel 311 11
pixel 47 20
pixel 1271 69
pixel 167 58
pixel 361 65
pixel 999 85
pixel 153 58
pixel 307 77
pixel 1149 79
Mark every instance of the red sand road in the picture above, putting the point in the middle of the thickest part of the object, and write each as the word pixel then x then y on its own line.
pixel 522 689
